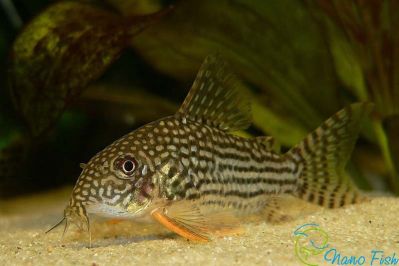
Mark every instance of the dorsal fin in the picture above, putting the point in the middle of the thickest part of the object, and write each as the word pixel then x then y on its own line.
pixel 217 98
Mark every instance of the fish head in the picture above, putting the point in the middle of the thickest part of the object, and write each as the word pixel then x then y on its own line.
pixel 115 183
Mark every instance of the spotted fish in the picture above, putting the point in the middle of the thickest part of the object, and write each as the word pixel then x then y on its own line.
pixel 189 173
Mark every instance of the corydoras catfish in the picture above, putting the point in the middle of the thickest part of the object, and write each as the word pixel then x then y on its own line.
pixel 189 173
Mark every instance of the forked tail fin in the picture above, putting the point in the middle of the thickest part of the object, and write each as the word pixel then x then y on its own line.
pixel 323 155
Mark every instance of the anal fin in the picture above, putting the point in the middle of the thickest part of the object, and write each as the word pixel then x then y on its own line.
pixel 273 211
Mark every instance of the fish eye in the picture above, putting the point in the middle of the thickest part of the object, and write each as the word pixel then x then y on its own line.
pixel 126 164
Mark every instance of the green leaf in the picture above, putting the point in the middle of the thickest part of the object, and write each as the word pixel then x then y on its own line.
pixel 391 126
pixel 347 65
pixel 284 57
pixel 136 7
pixel 285 129
pixel 371 30
pixel 57 55
pixel 124 105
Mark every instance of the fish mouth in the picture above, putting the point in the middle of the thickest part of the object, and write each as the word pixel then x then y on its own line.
pixel 76 215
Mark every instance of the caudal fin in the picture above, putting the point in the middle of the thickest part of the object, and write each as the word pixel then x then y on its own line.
pixel 323 155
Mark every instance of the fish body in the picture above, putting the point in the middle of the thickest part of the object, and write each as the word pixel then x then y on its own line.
pixel 183 160
pixel 187 171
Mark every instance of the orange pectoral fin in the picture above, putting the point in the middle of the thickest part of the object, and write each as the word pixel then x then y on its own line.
pixel 114 221
pixel 178 228
pixel 193 221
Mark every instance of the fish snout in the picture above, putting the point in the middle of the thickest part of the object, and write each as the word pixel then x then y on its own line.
pixel 76 214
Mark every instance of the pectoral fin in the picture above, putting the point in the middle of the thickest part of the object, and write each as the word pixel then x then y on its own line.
pixel 185 230
pixel 114 221
pixel 189 221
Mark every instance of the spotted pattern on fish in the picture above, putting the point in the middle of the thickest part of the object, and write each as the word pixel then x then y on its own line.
pixel 199 161
pixel 191 160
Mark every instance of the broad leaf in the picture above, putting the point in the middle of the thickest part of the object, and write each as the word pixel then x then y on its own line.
pixel 57 55
pixel 285 57
pixel 123 105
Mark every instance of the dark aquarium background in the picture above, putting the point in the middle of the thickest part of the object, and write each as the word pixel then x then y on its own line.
pixel 76 75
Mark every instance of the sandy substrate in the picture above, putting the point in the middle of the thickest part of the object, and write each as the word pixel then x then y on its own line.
pixel 352 231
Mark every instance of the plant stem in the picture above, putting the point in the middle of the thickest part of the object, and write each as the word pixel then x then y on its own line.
pixel 384 146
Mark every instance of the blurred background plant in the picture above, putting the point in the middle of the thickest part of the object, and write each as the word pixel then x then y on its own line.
pixel 76 75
